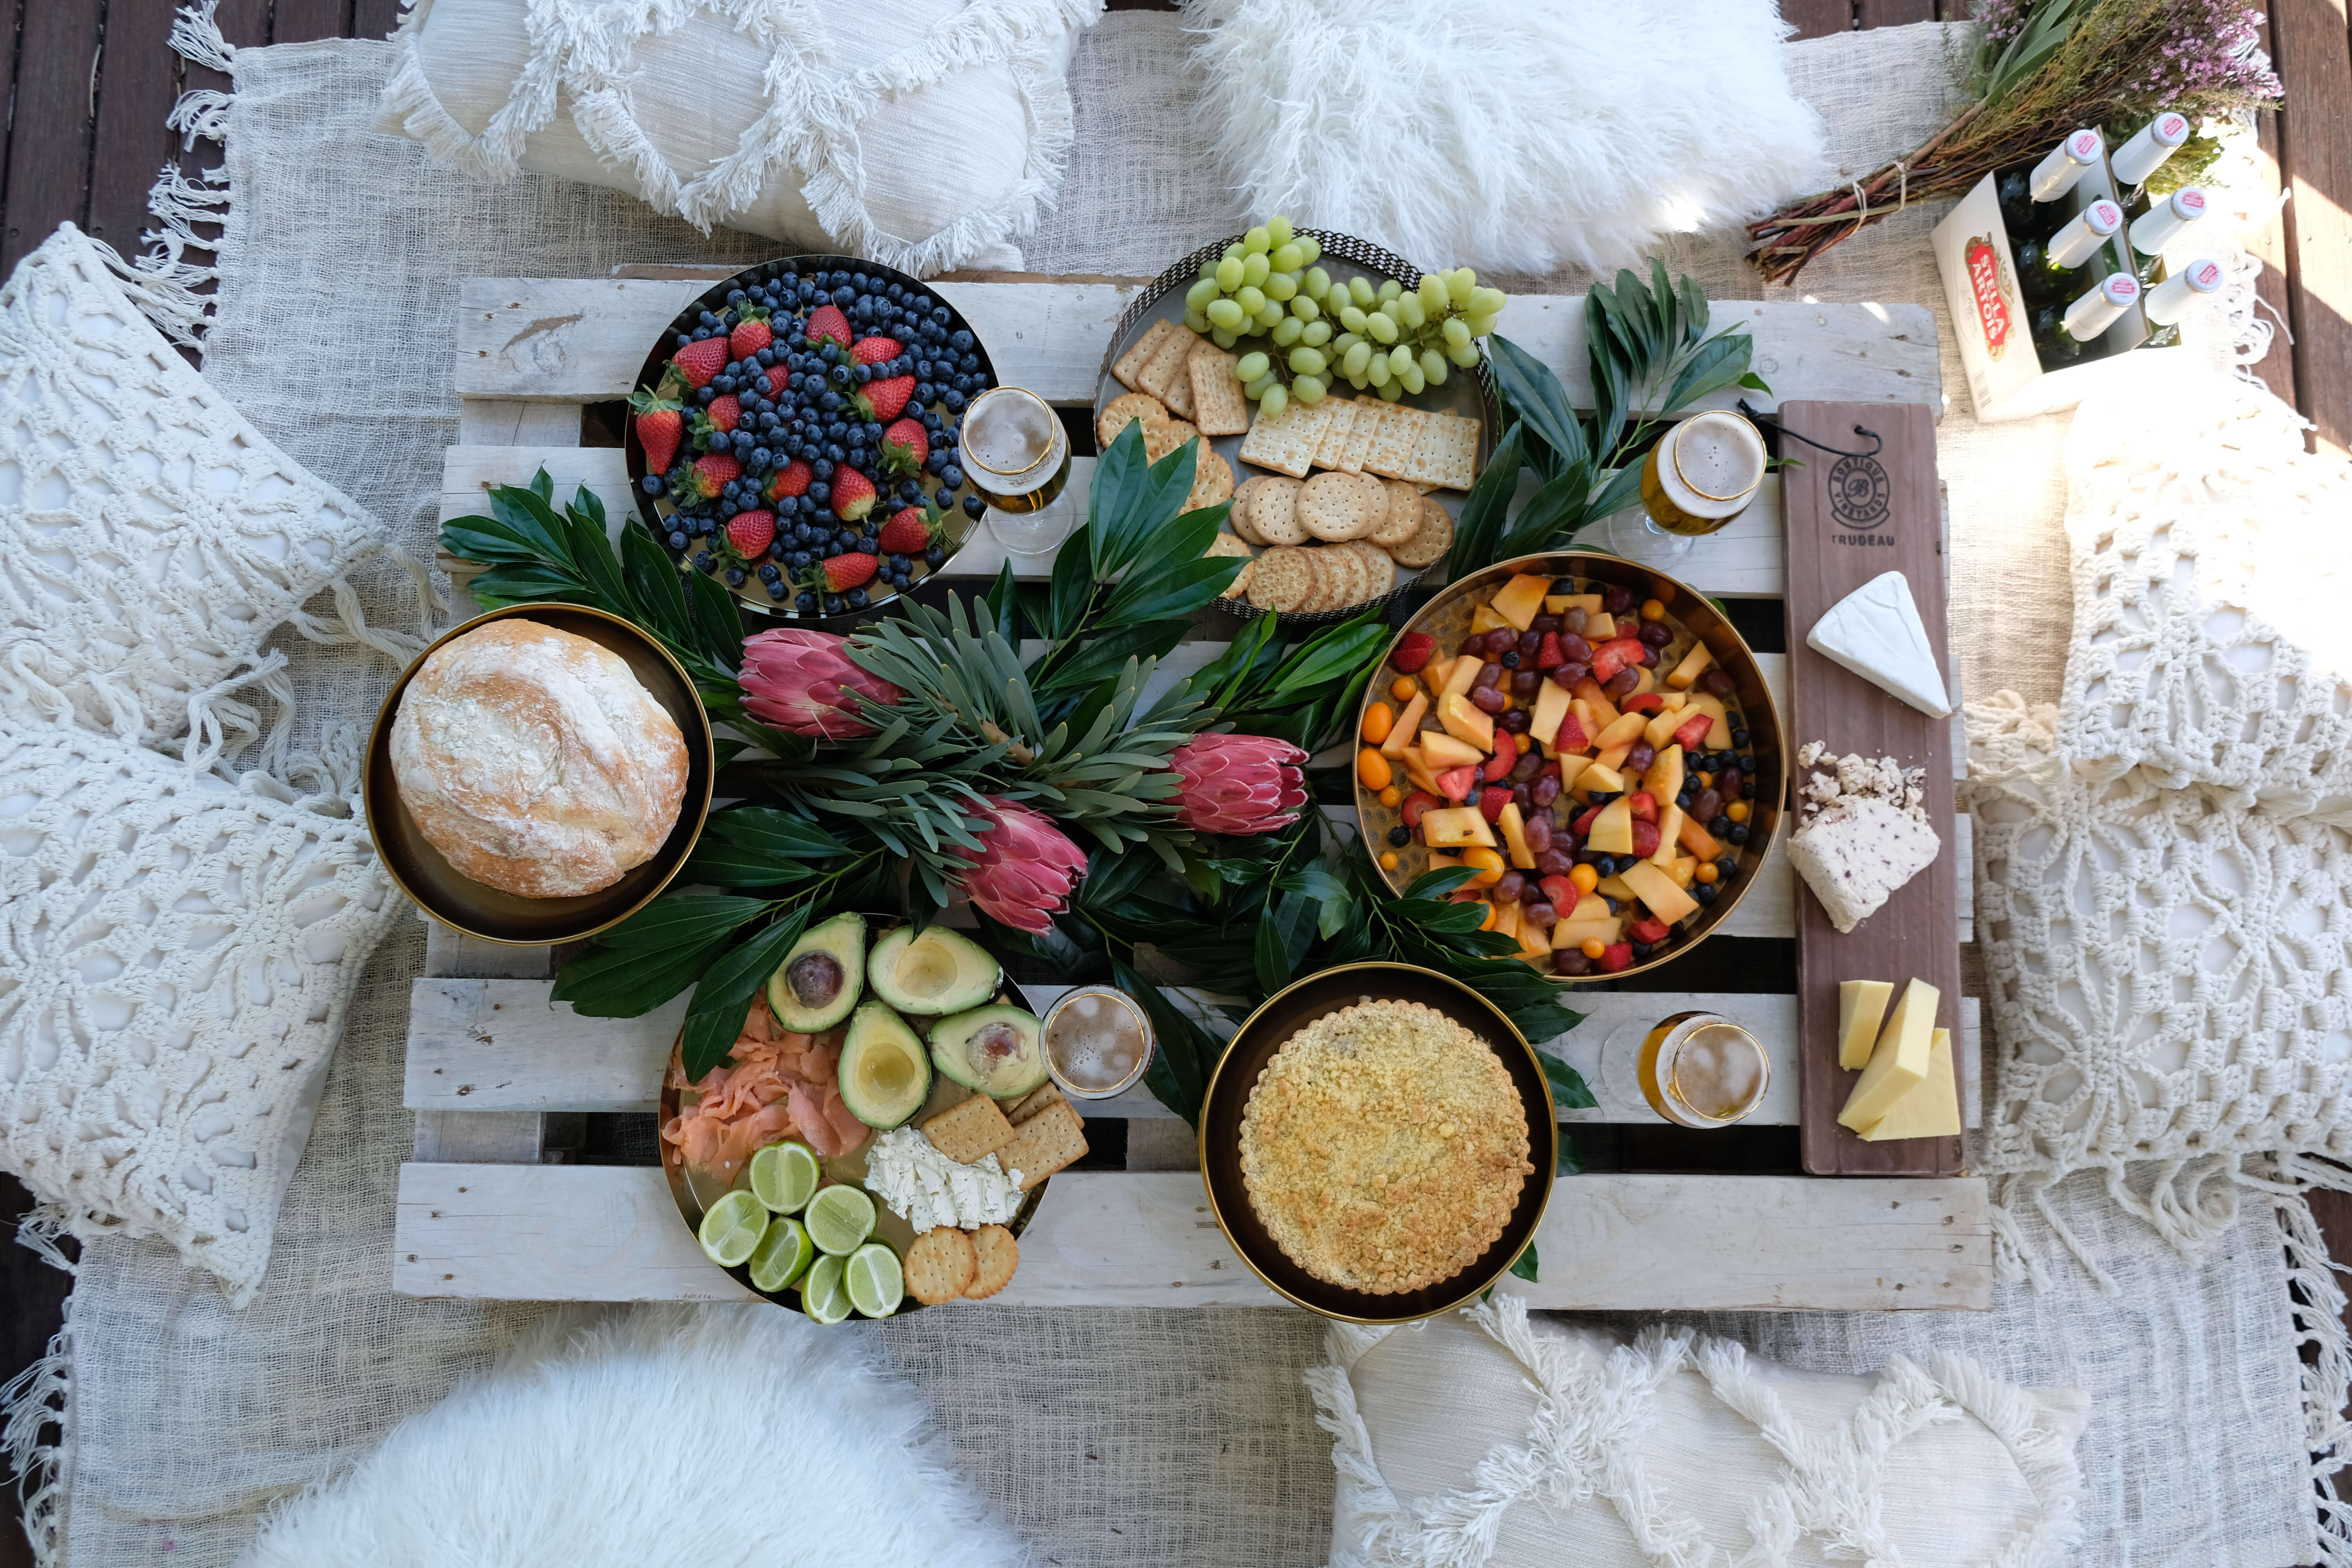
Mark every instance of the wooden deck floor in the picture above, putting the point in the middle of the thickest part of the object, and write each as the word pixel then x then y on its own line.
pixel 91 80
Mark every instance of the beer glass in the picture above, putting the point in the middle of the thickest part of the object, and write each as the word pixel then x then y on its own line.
pixel 1699 476
pixel 1017 456
pixel 1701 1069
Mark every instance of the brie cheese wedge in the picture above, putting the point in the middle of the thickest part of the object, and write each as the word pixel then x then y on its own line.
pixel 1875 632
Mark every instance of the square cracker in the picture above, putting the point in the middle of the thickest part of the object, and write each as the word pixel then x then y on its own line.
pixel 1448 455
pixel 1284 443
pixel 970 1129
pixel 1370 415
pixel 1045 1144
pixel 1130 364
pixel 1219 407
pixel 1165 368
pixel 1393 446
pixel 1180 392
pixel 1342 420
pixel 1035 1101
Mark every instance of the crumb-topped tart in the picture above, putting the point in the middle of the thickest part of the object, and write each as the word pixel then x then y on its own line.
pixel 1384 1147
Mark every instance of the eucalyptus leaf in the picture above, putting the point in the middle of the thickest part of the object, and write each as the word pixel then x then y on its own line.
pixel 1525 1269
pixel 1568 1089
pixel 678 919
pixel 628 983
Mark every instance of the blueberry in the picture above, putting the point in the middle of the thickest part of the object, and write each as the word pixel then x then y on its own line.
pixel 969 363
pixel 708 318
pixel 943 498
pixel 778 590
pixel 861 374
pixel 951 476
pixel 865 541
pixel 940 314
pixel 1746 763
pixel 840 376
pixel 910 489
pixel 734 576
pixel 703 394
pixel 769 571
pixel 767 357
pixel 677 540
pixel 776 549
pixel 651 484
pixel 823 467
pixel 933 556
pixel 820 492
pixel 1747 789
pixel 1704 892
pixel 845 295
pixel 923 369
pixel 1640 951
pixel 954 400
pixel 936 461
pixel 925 394
pixel 1739 833
pixel 704 561
pixel 833 604
pixel 844 540
pixel 857 598
pixel 800 560
pixel 806 603
pixel 980 381
pixel 683 339
pixel 1721 826
pixel 830 401
pixel 807 290
pixel 962 383
pixel 973 507
pixel 1729 866
pixel 959 340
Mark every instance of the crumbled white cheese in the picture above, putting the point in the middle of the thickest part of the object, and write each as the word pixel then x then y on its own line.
pixel 906 1172
pixel 1855 777
pixel 1863 833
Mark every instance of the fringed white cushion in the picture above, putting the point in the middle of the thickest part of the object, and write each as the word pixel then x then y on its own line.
pixel 176 952
pixel 1485 1439
pixel 925 134
pixel 1525 139
pixel 149 536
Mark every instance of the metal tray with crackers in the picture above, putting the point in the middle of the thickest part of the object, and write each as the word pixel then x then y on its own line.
pixel 1341 505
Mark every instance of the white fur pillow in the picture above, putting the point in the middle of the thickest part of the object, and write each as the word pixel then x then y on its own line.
pixel 1521 138
pixel 1483 1439
pixel 925 134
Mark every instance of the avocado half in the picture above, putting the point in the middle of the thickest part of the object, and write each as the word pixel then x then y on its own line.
pixel 996 1050
pixel 821 978
pixel 938 971
pixel 885 1075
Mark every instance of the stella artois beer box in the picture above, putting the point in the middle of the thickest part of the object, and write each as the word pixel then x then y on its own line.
pixel 2020 357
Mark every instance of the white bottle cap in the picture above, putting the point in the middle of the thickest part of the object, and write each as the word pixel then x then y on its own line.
pixel 2074 245
pixel 2055 175
pixel 2095 311
pixel 2144 154
pixel 2153 228
pixel 2170 299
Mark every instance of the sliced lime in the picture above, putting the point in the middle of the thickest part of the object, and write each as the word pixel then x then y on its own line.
pixel 785 1176
pixel 876 1284
pixel 822 1297
pixel 781 1254
pixel 838 1218
pixel 732 1226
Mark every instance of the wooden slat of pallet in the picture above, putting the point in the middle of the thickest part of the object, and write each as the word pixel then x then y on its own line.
pixel 491 1046
pixel 49 165
pixel 2316 159
pixel 579 340
pixel 499 1137
pixel 307 21
pixel 1913 935
pixel 1818 18
pixel 138 80
pixel 1104 1238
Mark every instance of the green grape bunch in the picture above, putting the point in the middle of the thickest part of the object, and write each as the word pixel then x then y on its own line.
pixel 1320 329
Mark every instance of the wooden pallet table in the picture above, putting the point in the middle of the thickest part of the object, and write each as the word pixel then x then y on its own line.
pixel 490 1057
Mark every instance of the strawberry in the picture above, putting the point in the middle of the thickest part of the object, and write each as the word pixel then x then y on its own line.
pixel 779 380
pixel 874 351
pixel 791 479
pixel 887 399
pixel 1457 783
pixel 660 426
pixel 1617 955
pixel 1549 656
pixel 699 361
pixel 1694 731
pixel 1649 928
pixel 906 535
pixel 1412 651
pixel 1416 802
pixel 1615 654
pixel 1645 839
pixel 1506 752
pixel 722 413
pixel 826 324
pixel 905 448
pixel 852 496
pixel 1582 826
pixel 1562 892
pixel 751 334
pixel 1572 737
pixel 1648 703
pixel 750 533
pixel 842 572
pixel 709 476
pixel 1491 801
pixel 1643 806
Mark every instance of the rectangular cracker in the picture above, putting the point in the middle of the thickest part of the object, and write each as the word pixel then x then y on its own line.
pixel 1370 415
pixel 1047 1141
pixel 1035 1101
pixel 1341 420
pixel 1391 449
pixel 970 1129
pixel 1286 442
pixel 1165 368
pixel 1448 456
pixel 1130 364
pixel 1180 392
pixel 1219 407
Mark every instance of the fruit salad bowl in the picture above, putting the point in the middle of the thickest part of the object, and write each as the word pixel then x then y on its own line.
pixel 813 524
pixel 1595 738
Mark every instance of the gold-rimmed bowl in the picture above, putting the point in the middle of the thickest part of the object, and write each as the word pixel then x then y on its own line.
pixel 490 913
pixel 1290 1010
pixel 1446 617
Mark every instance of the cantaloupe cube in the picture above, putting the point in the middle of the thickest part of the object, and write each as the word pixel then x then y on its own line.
pixel 1551 707
pixel 1535 942
pixel 1655 887
pixel 1590 907
pixel 1661 729
pixel 1614 757
pixel 1440 751
pixel 1407 725
pixel 1520 600
pixel 1645 680
pixel 1560 604
pixel 1699 840
pixel 1685 870
pixel 1515 839
pixel 1569 934
pixel 1627 729
pixel 1506 920
pixel 1719 734
pixel 1465 722
pixel 1599 628
pixel 1670 827
pixel 1612 830
pixel 1616 887
pixel 1484 619
pixel 1571 769
pixel 1664 779
pixel 1604 713
pixel 1693 664
pixel 1461 676
pixel 1673 700
pixel 1417 769
pixel 1607 780
pixel 1456 827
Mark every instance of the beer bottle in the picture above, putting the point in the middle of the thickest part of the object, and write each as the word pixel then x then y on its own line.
pixel 2060 336
pixel 2154 228
pixel 2027 196
pixel 2058 268
pixel 2148 149
pixel 2165 304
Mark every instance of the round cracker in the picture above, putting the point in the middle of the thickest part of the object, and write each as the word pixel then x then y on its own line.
pixel 1433 539
pixel 1380 569
pixel 1179 431
pixel 1126 408
pixel 1404 520
pixel 1280 580
pixel 1330 585
pixel 1345 576
pixel 1213 481
pixel 1273 512
pixel 940 1264
pixel 1245 496
pixel 1376 498
pixel 1333 506
pixel 999 1254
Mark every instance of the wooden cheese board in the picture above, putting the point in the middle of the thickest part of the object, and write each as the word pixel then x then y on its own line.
pixel 1847 519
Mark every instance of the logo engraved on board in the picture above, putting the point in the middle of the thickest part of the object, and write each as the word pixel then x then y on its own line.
pixel 1859 495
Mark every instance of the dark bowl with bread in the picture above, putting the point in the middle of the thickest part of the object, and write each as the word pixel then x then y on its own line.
pixel 537 774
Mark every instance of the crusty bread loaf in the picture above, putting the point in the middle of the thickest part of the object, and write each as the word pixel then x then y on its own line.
pixel 534 761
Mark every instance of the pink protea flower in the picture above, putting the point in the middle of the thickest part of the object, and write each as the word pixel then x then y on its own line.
pixel 801 682
pixel 1239 784
pixel 1024 868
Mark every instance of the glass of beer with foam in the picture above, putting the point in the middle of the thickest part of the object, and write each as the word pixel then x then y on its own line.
pixel 1699 476
pixel 1701 1069
pixel 1017 456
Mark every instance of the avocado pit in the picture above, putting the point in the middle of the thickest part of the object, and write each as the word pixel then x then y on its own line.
pixel 815 977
